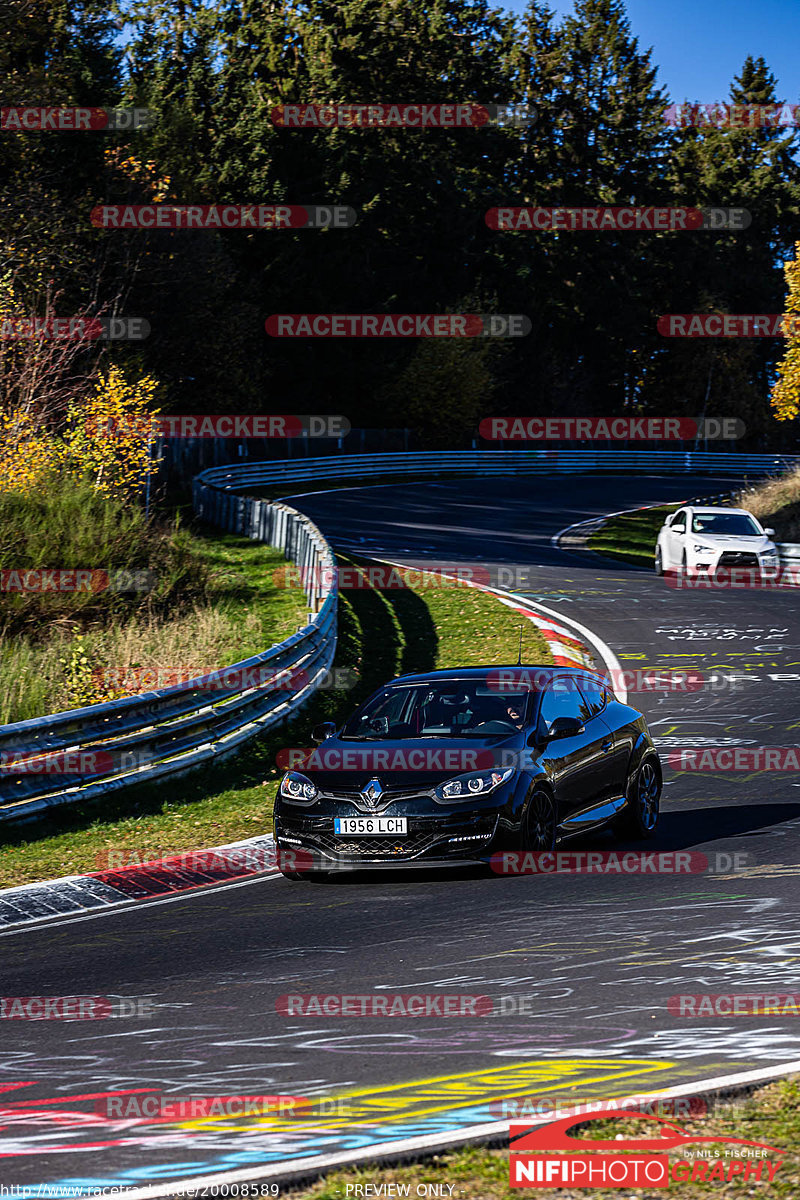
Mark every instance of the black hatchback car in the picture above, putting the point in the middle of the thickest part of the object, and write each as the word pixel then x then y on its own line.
pixel 459 764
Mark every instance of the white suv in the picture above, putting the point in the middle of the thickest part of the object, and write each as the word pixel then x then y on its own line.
pixel 701 540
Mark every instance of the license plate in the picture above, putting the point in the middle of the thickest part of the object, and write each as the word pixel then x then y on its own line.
pixel 367 826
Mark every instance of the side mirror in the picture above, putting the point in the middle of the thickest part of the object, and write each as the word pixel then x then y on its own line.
pixel 769 532
pixel 321 733
pixel 564 727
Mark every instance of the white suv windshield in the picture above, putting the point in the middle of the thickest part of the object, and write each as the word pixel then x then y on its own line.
pixel 738 524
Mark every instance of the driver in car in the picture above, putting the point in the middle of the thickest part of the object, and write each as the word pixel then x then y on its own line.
pixel 509 713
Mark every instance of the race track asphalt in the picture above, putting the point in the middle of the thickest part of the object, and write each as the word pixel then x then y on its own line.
pixel 580 967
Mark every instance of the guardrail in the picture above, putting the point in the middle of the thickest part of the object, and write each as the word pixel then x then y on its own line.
pixel 87 752
pixel 487 463
pixel 104 747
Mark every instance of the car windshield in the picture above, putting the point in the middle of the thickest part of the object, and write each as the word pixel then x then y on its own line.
pixel 464 708
pixel 739 524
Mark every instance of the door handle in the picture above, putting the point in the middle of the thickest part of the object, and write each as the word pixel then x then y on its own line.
pixel 607 745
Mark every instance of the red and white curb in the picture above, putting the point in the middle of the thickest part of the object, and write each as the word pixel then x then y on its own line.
pixel 570 643
pixel 157 880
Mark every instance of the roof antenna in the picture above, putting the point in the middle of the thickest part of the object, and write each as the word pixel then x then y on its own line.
pixel 519 658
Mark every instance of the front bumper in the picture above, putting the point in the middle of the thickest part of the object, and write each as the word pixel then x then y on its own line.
pixel 737 565
pixel 443 838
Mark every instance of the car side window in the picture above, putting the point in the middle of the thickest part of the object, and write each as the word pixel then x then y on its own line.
pixel 679 522
pixel 561 699
pixel 594 698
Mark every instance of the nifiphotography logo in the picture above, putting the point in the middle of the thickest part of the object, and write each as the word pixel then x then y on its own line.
pixel 635 1161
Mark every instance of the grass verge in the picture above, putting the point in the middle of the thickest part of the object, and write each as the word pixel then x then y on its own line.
pixel 770 1115
pixel 229 600
pixel 381 634
pixel 776 502
pixel 631 537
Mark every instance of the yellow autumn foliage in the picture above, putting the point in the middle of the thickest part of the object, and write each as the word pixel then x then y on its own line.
pixel 785 398
pixel 143 172
pixel 28 454
pixel 108 439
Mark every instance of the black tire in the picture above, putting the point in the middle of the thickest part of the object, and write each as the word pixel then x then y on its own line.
pixel 540 826
pixel 659 561
pixel 639 818
pixel 295 876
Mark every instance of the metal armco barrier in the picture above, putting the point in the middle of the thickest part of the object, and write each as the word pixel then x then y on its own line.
pixel 167 732
pixel 104 747
pixel 490 463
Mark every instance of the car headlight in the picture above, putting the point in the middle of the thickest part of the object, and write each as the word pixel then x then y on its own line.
pixel 697 549
pixel 298 789
pixel 477 783
pixel 770 553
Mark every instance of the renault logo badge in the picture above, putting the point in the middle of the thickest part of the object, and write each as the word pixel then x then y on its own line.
pixel 372 793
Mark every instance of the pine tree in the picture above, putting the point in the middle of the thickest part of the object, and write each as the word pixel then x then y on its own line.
pixel 755 169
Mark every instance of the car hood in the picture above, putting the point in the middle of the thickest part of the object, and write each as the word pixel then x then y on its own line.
pixel 343 764
pixel 727 541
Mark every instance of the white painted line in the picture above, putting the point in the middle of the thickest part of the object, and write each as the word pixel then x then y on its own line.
pixel 598 521
pixel 606 653
pixel 623 512
pixel 603 649
pixel 426 1143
